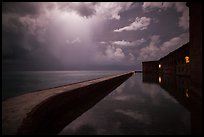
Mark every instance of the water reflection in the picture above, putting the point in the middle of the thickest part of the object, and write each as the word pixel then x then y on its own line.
pixel 160 79
pixel 179 87
pixel 141 105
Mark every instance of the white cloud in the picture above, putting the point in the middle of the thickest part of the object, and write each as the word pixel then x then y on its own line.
pixel 77 40
pixel 123 43
pixel 128 43
pixel 114 53
pixel 139 24
pixel 155 50
pixel 184 19
pixel 150 52
pixel 111 55
pixel 74 41
pixel 132 57
pixel 102 42
pixel 174 43
pixel 111 10
pixel 107 10
pixel 119 53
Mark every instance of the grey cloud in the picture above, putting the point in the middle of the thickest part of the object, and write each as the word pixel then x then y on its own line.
pixel 86 10
pixel 49 31
pixel 29 39
pixel 21 33
pixel 156 50
pixel 83 9
pixel 149 6
pixel 17 43
pixel 150 52
pixel 21 8
pixel 184 19
pixel 174 43
pixel 179 6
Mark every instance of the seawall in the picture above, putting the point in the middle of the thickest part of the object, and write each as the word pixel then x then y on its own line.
pixel 49 111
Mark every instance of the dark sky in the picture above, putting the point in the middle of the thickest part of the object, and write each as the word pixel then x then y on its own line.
pixel 93 36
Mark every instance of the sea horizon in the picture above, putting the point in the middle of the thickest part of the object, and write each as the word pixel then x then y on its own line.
pixel 16 83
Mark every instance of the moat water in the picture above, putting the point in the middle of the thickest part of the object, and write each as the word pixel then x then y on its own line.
pixel 144 104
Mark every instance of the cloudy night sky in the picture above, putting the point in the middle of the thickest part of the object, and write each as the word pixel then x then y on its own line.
pixel 90 36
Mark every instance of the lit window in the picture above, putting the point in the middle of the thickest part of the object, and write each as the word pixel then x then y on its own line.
pixel 159 65
pixel 187 59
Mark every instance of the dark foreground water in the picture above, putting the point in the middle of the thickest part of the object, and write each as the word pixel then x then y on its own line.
pixel 139 106
pixel 144 104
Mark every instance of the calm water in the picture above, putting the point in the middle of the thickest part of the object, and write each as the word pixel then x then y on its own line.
pixel 17 83
pixel 138 106
pixel 144 104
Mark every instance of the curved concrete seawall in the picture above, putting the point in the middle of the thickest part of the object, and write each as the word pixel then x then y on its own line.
pixel 49 111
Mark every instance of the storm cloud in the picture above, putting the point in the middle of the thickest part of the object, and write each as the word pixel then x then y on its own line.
pixel 87 35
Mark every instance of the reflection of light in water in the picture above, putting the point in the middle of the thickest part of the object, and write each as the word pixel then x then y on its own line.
pixel 159 79
pixel 187 94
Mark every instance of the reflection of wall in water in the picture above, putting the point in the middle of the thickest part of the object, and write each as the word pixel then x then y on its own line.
pixel 177 86
pixel 150 77
pixel 180 88
pixel 150 66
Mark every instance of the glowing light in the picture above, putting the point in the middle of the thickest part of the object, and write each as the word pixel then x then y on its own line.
pixel 187 59
pixel 187 94
pixel 160 79
pixel 159 65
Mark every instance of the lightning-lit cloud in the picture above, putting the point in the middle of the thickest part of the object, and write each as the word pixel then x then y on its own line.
pixel 89 35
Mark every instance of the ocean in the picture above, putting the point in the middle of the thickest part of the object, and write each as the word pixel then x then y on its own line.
pixel 15 83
